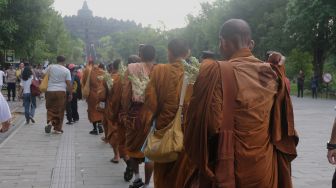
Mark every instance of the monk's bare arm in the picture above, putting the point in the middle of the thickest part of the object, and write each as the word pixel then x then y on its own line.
pixel 333 134
pixel 332 152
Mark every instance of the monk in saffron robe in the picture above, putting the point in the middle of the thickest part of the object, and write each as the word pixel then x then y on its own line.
pixel 132 105
pixel 240 125
pixel 114 130
pixel 161 104
pixel 95 116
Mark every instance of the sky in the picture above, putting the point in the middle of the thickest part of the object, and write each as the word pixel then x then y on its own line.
pixel 155 13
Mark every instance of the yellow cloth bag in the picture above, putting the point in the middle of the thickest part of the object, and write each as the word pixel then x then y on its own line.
pixel 86 88
pixel 164 146
pixel 44 83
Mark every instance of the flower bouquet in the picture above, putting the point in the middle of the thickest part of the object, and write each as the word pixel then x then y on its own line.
pixel 122 70
pixel 139 84
pixel 191 69
pixel 106 77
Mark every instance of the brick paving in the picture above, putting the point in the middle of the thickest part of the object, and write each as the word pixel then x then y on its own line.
pixel 29 158
pixel 314 120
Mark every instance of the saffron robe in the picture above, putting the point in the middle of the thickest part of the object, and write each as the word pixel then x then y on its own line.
pixel 132 110
pixel 161 105
pixel 263 140
pixel 114 132
pixel 93 99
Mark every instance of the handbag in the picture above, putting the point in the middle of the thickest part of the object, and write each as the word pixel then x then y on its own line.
pixel 44 83
pixel 164 145
pixel 34 88
pixel 86 88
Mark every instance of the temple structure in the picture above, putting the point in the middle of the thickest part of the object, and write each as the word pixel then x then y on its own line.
pixel 90 28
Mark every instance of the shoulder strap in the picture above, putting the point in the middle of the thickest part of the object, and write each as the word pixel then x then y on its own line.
pixel 183 90
pixel 160 107
pixel 229 94
pixel 225 148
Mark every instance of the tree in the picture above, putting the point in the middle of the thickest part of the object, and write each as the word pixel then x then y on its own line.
pixel 312 26
pixel 56 40
pixel 30 17
pixel 265 17
pixel 298 60
pixel 124 44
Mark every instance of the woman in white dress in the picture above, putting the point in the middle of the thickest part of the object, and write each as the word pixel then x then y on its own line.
pixel 5 114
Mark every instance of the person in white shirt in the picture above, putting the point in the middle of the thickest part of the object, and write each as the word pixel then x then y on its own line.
pixel 2 75
pixel 29 100
pixel 5 114
pixel 59 82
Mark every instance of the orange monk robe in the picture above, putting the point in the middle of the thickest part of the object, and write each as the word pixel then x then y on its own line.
pixel 136 132
pixel 263 139
pixel 161 104
pixel 114 132
pixel 95 86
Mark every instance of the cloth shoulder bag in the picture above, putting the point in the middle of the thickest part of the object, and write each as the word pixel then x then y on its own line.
pixel 164 145
pixel 35 88
pixel 86 88
pixel 44 83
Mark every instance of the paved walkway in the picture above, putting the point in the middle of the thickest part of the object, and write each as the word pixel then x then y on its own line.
pixel 29 158
pixel 314 120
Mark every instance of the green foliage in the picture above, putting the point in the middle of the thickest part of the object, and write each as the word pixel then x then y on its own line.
pixel 312 27
pixel 35 31
pixel 298 60
pixel 265 17
pixel 124 44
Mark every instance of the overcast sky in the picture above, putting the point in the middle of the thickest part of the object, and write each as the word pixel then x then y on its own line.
pixel 148 12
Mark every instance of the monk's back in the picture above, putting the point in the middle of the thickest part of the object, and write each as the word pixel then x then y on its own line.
pixel 169 84
pixel 254 154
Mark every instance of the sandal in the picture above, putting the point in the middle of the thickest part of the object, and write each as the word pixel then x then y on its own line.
pixel 114 161
pixel 137 183
pixel 5 127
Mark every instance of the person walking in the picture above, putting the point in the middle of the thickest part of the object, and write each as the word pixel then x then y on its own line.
pixel 314 86
pixel 93 85
pixel 300 83
pixel 59 82
pixel 11 82
pixel 29 100
pixel 5 114
pixel 133 109
pixel 331 146
pixel 72 106
pixel 228 144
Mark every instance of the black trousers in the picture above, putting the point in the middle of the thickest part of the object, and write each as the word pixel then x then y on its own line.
pixel 68 111
pixel 11 88
pixel 300 91
pixel 334 180
pixel 74 108
pixel 314 93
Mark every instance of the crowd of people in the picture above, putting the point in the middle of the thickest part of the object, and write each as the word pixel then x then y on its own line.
pixel 235 119
pixel 233 124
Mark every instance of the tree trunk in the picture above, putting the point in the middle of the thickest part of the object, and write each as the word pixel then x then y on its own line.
pixel 318 63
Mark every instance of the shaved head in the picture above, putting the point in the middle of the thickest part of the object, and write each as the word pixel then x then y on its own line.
pixel 236 30
pixel 235 34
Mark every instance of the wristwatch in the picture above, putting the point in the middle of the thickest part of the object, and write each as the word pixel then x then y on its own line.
pixel 331 146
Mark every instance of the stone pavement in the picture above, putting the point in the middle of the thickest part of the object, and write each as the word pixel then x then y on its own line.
pixel 314 120
pixel 29 158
